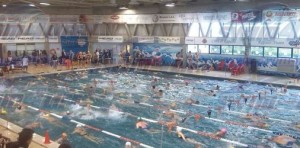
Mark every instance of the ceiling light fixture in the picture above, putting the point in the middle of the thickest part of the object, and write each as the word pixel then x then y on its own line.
pixel 123 8
pixel 31 5
pixel 45 4
pixel 4 5
pixel 170 5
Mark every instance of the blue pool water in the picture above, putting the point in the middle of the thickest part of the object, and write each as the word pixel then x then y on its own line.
pixel 48 93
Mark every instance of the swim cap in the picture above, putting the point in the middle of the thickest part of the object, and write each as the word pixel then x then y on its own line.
pixel 128 144
pixel 178 129
pixel 224 130
pixel 139 118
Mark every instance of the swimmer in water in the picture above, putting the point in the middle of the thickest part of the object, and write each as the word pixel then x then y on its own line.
pixel 209 112
pixel 197 117
pixel 34 125
pixel 221 133
pixel 191 101
pixel 260 124
pixel 185 138
pixel 173 105
pixel 168 86
pixel 140 124
pixel 159 93
pixel 229 105
pixel 82 132
pixel 3 111
pixel 284 140
pixel 217 87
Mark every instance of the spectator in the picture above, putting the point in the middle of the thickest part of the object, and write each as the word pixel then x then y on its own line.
pixel 71 55
pixel 65 145
pixel 97 54
pixel 179 58
pixel 190 60
pixel 24 140
pixel 63 139
pixel 25 63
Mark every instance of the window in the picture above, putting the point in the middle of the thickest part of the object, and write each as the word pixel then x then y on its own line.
pixel 192 48
pixel 214 49
pixel 257 51
pixel 204 48
pixel 285 52
pixel 239 50
pixel 270 52
pixel 194 31
pixel 226 49
pixel 296 53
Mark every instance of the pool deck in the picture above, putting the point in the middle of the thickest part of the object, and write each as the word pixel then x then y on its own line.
pixel 275 80
pixel 11 131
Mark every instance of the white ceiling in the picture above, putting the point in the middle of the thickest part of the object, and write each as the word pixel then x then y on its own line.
pixel 140 6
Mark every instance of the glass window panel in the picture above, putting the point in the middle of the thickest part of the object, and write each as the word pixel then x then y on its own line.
pixel 285 52
pixel 192 48
pixel 226 49
pixel 296 53
pixel 194 31
pixel 239 50
pixel 204 48
pixel 257 51
pixel 214 49
pixel 270 52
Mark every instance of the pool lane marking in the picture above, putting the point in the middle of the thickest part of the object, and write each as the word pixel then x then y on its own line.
pixel 229 112
pixel 187 129
pixel 238 124
pixel 182 112
pixel 97 129
pixel 88 126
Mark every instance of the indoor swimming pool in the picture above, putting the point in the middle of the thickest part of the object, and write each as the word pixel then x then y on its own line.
pixel 100 108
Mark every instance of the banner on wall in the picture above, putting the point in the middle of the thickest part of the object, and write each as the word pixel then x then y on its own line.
pixel 110 39
pixel 164 53
pixel 246 16
pixel 145 39
pixel 128 19
pixel 223 17
pixel 214 41
pixel 168 40
pixel 189 40
pixel 22 39
pixel 281 15
pixel 275 42
pixel 74 43
pixel 53 39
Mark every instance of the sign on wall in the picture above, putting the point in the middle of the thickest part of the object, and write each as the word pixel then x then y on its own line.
pixel 74 43
pixel 246 16
pixel 168 40
pixel 110 39
pixel 275 42
pixel 281 15
pixel 214 41
pixel 22 39
pixel 223 17
pixel 145 39
pixel 53 39
pixel 128 19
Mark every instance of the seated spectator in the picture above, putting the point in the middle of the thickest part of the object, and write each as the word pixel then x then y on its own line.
pixel 24 139
pixel 3 141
